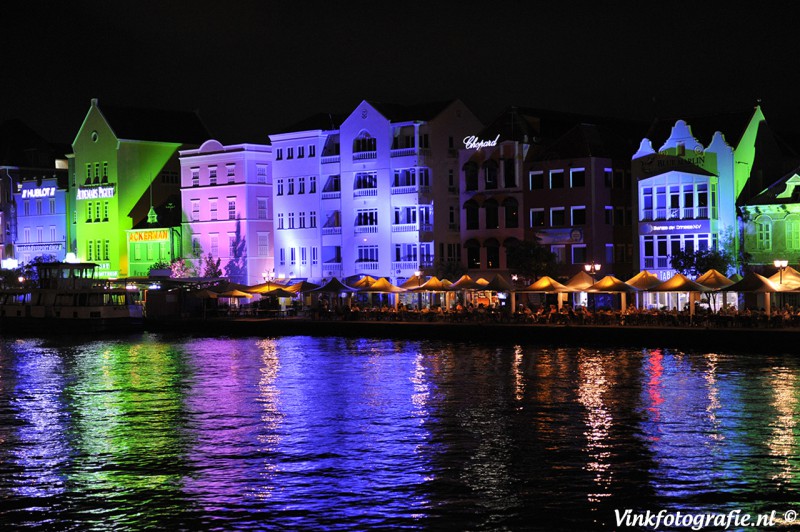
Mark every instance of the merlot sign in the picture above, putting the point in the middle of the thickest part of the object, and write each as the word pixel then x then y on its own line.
pixel 474 143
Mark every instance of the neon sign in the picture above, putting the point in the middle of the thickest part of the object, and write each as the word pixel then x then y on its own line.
pixel 45 192
pixel 95 193
pixel 675 227
pixel 474 143
pixel 149 236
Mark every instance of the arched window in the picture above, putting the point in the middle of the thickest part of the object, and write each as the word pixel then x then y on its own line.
pixel 511 207
pixel 764 233
pixel 492 253
pixel 471 206
pixel 473 248
pixel 470 176
pixel 492 217
pixel 364 142
pixel 490 174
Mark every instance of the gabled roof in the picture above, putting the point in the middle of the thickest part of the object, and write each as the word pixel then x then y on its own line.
pixel 544 126
pixel 159 125
pixel 773 161
pixel 783 191
pixel 590 140
pixel 21 146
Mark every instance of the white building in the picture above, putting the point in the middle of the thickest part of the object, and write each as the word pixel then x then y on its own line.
pixel 226 196
pixel 375 193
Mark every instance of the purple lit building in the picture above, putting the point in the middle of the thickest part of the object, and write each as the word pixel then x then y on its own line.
pixel 374 193
pixel 226 198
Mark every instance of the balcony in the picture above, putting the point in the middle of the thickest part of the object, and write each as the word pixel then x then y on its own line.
pixel 329 159
pixel 337 230
pixel 367 266
pixel 364 192
pixel 335 267
pixel 336 194
pixel 404 152
pixel 365 155
pixel 404 228
pixel 360 229
pixel 411 265
pixel 675 213
pixel 408 189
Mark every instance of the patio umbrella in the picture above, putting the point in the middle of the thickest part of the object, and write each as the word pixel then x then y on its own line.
pixel 413 282
pixel 434 285
pixel 465 282
pixel 546 285
pixel 714 280
pixel 205 294
pixel 789 279
pixel 755 283
pixel 382 286
pixel 498 284
pixel 681 283
pixel 235 294
pixel 610 284
pixel 580 281
pixel 644 280
pixel 278 292
pixel 334 286
pixel 364 282
pixel 301 287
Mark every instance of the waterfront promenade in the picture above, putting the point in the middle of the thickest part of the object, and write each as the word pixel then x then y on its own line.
pixel 754 340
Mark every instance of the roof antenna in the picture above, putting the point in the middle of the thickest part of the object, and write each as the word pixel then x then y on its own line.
pixel 152 217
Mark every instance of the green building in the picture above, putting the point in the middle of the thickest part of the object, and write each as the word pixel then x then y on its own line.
pixel 124 161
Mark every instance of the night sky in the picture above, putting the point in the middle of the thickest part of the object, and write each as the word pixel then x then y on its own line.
pixel 252 68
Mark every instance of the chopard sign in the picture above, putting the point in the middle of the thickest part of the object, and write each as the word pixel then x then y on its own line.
pixel 474 143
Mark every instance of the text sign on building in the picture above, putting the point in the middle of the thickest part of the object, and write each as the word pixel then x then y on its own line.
pixel 149 236
pixel 474 143
pixel 44 192
pixel 675 227
pixel 95 193
pixel 568 235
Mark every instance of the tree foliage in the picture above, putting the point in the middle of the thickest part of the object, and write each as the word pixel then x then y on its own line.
pixel 211 267
pixel 448 270
pixel 181 269
pixel 695 263
pixel 531 260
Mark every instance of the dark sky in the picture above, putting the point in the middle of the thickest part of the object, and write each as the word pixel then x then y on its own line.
pixel 251 68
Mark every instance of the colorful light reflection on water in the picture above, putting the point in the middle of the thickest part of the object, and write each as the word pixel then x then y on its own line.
pixel 325 433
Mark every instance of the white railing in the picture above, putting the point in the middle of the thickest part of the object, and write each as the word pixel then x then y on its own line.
pixel 332 230
pixel 368 266
pixel 361 192
pixel 331 159
pixel 332 195
pixel 404 152
pixel 403 228
pixel 364 155
pixel 366 229
pixel 405 265
pixel 409 189
pixel 332 266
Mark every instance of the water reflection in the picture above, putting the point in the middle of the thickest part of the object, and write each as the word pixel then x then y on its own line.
pixel 327 433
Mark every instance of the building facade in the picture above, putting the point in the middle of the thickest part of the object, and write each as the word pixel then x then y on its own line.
pixel 374 194
pixel 124 161
pixel 226 201
pixel 41 218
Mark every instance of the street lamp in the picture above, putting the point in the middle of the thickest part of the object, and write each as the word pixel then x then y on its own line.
pixel 592 268
pixel 781 265
pixel 268 277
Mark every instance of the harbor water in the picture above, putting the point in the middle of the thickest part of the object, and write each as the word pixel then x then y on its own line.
pixel 313 433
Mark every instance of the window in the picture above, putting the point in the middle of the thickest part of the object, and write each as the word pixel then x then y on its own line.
pixel 290 217
pixel 364 142
pixel 492 217
pixel 89 249
pixel 39 207
pixel 536 180
pixel 301 152
pixel 607 177
pixel 52 206
pixel 556 179
pixel 303 256
pixel 261 173
pixel 26 208
pixel 279 154
pixel 106 246
pixel 764 233
pixel 195 177
pixel 262 208
pixel 609 214
pixel 214 244
pixel 279 188
pixel 40 234
pixel 792 232
pixel 292 256
pixel 473 257
pixel 280 220
pixel 282 257
pixel 333 184
pixel 301 216
pixel 212 208
pixel 471 176
pixel 492 256
pixel 301 185
pixel 314 250
pixel 367 254
pixel 195 210
pixel 312 184
pixel 509 173
pixel 471 208
pixel 290 153
pixel 367 217
pixel 578 215
pixel 312 151
pixel 212 176
pixel 557 218
pixel 231 171
pixel 366 180
pixel 196 250
pixel 577 178
pixel 490 174
pixel 290 186
pixel 231 208
pixel 312 219
pixel 52 233
pixel 558 251
pixel 578 254
pixel 537 218
pixel 231 244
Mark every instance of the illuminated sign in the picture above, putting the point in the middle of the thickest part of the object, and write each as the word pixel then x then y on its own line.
pixel 95 193
pixel 675 227
pixel 474 143
pixel 39 247
pixel 45 192
pixel 149 236
pixel 568 235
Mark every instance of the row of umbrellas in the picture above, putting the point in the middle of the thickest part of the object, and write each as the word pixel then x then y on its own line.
pixel 712 280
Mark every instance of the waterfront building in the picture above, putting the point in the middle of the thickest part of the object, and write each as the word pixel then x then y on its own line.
pixel 226 201
pixel 688 192
pixel 373 193
pixel 559 179
pixel 41 216
pixel 124 160
pixel 29 162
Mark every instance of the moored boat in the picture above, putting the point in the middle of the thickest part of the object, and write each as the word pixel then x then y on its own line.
pixel 69 294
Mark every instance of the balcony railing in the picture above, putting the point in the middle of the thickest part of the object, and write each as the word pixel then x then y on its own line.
pixel 365 229
pixel 332 230
pixel 367 266
pixel 403 228
pixel 332 266
pixel 365 155
pixel 332 195
pixel 331 159
pixel 407 189
pixel 362 192
pixel 404 152
pixel 686 213
pixel 405 265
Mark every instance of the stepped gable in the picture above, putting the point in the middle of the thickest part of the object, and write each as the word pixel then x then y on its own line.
pixel 160 125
